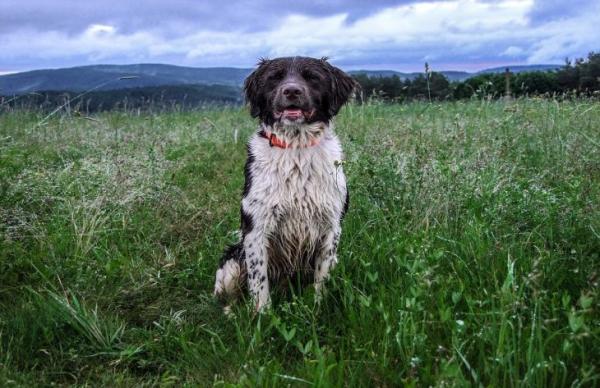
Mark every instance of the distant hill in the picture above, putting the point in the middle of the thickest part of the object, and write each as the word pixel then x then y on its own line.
pixel 381 73
pixel 146 98
pixel 455 75
pixel 521 68
pixel 451 74
pixel 114 77
pixel 110 77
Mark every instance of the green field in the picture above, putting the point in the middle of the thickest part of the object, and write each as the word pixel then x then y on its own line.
pixel 469 256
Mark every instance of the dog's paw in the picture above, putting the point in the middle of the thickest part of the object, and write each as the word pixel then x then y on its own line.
pixel 227 280
pixel 228 312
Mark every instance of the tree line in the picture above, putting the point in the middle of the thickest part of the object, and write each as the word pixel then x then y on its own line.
pixel 576 78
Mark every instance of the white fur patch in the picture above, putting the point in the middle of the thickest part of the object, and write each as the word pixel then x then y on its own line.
pixel 227 279
pixel 296 201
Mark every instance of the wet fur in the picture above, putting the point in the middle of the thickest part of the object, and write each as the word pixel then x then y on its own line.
pixel 294 199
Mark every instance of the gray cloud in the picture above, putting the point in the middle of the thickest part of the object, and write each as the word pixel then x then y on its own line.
pixel 72 16
pixel 459 34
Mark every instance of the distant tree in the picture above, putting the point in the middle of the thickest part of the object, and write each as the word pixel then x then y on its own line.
pixel 461 90
pixel 535 83
pixel 582 76
pixel 420 88
pixel 386 88
pixel 483 85
pixel 568 77
pixel 589 76
pixel 440 86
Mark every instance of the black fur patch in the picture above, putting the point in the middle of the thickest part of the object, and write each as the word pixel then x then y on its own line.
pixel 247 222
pixel 328 88
pixel 233 252
pixel 248 173
pixel 346 205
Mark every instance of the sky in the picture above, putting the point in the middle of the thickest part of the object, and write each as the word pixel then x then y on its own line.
pixel 356 34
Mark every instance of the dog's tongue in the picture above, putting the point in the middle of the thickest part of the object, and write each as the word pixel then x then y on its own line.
pixel 292 113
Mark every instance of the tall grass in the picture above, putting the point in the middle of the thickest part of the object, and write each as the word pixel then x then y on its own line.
pixel 469 255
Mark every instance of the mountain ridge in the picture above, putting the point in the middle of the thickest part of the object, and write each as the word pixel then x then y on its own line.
pixel 460 75
pixel 114 77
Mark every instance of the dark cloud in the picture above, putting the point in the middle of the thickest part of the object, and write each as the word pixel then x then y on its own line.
pixel 172 16
pixel 373 34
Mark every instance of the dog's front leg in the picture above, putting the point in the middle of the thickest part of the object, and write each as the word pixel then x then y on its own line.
pixel 257 264
pixel 326 260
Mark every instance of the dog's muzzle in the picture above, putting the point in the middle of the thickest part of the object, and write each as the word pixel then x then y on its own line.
pixel 292 103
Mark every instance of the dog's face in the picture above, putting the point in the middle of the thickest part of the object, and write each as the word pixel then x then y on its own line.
pixel 297 90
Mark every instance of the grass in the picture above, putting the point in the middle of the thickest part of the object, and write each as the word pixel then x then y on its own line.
pixel 469 255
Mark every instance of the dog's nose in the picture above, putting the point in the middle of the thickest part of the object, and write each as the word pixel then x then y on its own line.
pixel 292 91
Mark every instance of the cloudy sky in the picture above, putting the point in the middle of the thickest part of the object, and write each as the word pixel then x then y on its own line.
pixel 368 34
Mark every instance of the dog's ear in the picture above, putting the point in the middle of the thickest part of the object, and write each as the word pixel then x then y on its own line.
pixel 252 88
pixel 342 87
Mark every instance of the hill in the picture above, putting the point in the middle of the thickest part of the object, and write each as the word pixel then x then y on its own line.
pixel 147 98
pixel 457 75
pixel 452 75
pixel 111 77
pixel 521 69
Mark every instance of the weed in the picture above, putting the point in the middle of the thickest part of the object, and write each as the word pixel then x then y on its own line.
pixel 469 255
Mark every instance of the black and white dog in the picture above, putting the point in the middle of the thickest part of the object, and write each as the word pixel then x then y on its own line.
pixel 295 193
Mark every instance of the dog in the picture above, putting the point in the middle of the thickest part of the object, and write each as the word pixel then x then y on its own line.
pixel 295 193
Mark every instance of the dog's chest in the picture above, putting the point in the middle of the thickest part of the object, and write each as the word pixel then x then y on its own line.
pixel 304 186
pixel 298 189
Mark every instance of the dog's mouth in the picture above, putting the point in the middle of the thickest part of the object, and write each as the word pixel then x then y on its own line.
pixel 293 113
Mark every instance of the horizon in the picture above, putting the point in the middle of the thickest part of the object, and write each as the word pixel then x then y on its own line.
pixel 364 68
pixel 451 35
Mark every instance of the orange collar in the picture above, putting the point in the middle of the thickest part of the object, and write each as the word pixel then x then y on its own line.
pixel 274 141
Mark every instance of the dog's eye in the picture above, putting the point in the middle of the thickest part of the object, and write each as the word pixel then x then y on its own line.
pixel 310 76
pixel 276 76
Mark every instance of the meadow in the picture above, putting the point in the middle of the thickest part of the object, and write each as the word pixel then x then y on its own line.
pixel 469 255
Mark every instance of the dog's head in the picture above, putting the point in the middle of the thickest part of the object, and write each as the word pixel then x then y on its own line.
pixel 297 90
